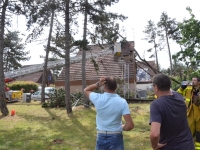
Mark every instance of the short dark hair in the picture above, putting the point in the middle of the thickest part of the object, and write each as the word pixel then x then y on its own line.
pixel 111 83
pixel 162 81
pixel 198 78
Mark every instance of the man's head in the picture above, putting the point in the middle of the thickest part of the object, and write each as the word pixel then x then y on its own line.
pixel 161 83
pixel 195 81
pixel 110 84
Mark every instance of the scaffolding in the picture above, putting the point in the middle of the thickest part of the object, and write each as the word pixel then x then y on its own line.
pixel 126 80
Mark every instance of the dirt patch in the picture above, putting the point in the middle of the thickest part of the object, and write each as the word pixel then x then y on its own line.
pixel 57 141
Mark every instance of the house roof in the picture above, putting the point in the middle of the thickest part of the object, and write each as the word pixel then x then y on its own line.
pixel 31 77
pixel 108 65
pixel 36 77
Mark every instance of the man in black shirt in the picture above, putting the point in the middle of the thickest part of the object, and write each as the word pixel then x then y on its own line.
pixel 169 127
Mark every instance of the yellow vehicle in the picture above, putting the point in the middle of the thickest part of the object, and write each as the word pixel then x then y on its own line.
pixel 12 96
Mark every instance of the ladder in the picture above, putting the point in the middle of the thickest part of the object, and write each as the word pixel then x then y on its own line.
pixel 126 79
pixel 53 64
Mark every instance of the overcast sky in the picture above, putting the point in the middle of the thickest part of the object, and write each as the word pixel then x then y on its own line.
pixel 138 13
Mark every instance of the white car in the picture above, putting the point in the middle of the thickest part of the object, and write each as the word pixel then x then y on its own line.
pixel 47 89
pixel 37 96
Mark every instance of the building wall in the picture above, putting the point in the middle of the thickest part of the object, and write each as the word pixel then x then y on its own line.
pixel 74 88
pixel 143 86
pixel 78 88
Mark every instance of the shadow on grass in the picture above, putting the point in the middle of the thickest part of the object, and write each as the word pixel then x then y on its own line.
pixel 2 116
pixel 75 118
pixel 40 126
pixel 25 103
pixel 75 131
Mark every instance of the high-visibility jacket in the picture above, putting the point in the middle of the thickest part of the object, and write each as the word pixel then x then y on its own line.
pixel 187 93
pixel 193 113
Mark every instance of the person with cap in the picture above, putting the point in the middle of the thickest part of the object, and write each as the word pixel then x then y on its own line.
pixel 191 94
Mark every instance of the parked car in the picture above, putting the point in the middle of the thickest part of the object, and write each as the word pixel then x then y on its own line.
pixel 37 96
pixel 47 89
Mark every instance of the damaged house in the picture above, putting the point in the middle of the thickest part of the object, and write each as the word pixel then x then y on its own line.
pixel 120 62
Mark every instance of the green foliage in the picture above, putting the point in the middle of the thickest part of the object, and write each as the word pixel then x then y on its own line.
pixel 151 32
pixel 77 98
pixel 190 39
pixel 176 85
pixel 27 86
pixel 96 66
pixel 21 7
pixel 105 26
pixel 195 74
pixel 82 44
pixel 151 35
pixel 166 28
pixel 150 95
pixel 14 51
pixel 56 99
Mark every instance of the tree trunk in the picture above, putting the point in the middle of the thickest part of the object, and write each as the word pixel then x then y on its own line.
pixel 44 77
pixel 170 58
pixel 3 107
pixel 134 74
pixel 156 56
pixel 175 71
pixel 6 63
pixel 67 59
pixel 86 102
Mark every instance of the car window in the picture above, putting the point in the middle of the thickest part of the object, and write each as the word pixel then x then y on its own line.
pixel 49 90
pixel 37 93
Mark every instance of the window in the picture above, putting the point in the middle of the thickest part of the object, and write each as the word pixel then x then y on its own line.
pixel 142 75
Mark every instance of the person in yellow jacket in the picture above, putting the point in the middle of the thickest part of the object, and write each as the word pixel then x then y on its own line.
pixel 191 93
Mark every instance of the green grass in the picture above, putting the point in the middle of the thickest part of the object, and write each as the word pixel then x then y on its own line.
pixel 37 128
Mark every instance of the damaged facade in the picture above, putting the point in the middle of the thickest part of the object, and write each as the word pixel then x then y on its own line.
pixel 114 64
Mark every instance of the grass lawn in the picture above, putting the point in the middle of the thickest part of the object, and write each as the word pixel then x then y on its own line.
pixel 37 128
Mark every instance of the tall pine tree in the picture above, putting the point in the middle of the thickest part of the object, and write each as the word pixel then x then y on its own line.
pixel 7 9
pixel 165 26
pixel 14 51
pixel 151 34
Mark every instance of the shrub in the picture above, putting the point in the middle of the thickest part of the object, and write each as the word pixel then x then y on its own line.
pixel 58 99
pixel 26 85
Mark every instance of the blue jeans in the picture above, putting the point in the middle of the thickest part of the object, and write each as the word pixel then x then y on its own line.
pixel 109 142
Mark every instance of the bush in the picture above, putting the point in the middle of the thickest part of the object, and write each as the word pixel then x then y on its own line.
pixel 27 86
pixel 58 99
